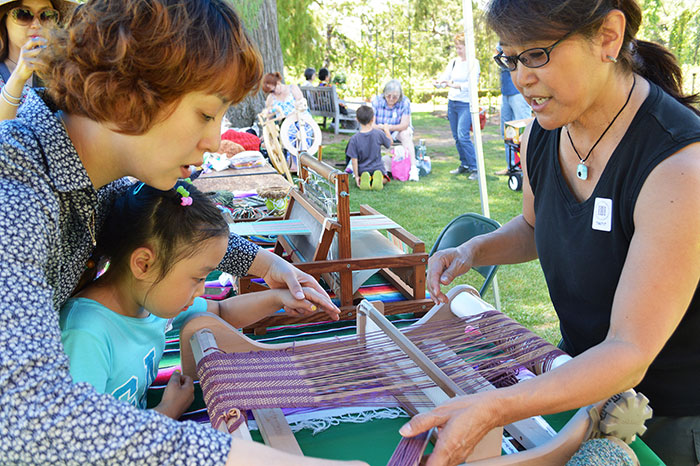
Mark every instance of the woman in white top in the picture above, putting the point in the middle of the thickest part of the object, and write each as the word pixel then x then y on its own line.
pixel 456 77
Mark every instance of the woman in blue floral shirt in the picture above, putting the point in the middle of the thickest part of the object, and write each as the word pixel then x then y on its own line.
pixel 134 88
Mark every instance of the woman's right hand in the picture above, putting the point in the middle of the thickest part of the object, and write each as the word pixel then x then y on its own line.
pixel 446 265
pixel 29 58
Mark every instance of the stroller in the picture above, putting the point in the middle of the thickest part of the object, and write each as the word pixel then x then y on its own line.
pixel 512 131
pixel 515 171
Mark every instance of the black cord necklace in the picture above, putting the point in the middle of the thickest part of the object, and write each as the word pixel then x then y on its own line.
pixel 581 168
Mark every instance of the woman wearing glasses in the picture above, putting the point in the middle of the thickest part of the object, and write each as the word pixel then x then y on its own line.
pixel 23 30
pixel 611 207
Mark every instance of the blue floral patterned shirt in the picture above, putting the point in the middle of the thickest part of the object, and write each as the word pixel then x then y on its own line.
pixel 46 209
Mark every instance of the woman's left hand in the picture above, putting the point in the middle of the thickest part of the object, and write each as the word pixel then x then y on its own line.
pixel 462 422
pixel 279 273
pixel 312 303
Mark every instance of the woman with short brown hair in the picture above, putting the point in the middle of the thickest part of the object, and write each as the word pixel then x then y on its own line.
pixel 134 88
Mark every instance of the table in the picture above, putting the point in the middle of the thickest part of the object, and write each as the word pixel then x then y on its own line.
pixel 241 180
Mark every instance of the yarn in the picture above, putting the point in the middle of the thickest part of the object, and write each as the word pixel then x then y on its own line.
pixel 604 452
pixel 247 140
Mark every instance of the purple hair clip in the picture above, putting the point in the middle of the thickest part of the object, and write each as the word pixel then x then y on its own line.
pixel 186 199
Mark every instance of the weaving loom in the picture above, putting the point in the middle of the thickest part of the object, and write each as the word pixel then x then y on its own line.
pixel 464 346
pixel 322 238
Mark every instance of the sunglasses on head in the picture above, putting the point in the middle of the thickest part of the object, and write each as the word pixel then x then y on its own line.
pixel 531 58
pixel 24 16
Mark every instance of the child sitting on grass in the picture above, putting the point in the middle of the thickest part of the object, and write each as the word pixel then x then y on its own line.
pixel 365 150
pixel 161 245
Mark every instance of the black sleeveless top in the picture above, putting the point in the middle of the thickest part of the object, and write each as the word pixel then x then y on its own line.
pixel 582 265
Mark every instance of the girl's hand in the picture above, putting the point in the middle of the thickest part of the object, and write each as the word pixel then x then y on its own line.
pixel 177 397
pixel 313 302
pixel 28 58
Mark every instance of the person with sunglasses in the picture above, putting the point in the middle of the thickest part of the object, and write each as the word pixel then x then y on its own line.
pixel 611 207
pixel 136 89
pixel 23 30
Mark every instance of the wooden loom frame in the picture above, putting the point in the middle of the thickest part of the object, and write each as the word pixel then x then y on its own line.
pixel 406 272
pixel 207 333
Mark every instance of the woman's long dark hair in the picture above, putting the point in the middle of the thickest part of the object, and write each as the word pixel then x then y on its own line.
pixel 520 21
pixel 4 40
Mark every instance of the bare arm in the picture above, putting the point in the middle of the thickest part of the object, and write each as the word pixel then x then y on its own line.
pixel 355 171
pixel 296 92
pixel 279 273
pixel 513 243
pixel 658 280
pixel 23 71
pixel 403 124
pixel 245 309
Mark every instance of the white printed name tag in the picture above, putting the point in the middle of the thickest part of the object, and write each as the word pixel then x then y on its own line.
pixel 602 214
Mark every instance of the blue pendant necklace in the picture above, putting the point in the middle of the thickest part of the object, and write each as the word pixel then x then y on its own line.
pixel 581 168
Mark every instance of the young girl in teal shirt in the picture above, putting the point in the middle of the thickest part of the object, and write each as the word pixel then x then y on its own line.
pixel 161 245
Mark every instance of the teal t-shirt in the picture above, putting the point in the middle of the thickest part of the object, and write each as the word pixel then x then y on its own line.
pixel 116 354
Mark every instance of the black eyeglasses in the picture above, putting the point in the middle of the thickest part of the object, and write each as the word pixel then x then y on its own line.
pixel 531 58
pixel 24 16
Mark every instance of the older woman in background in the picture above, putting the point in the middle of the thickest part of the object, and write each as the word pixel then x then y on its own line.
pixel 393 109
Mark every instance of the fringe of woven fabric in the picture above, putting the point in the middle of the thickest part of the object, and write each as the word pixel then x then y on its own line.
pixel 318 420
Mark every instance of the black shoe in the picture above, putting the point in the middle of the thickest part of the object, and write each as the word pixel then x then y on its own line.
pixel 461 170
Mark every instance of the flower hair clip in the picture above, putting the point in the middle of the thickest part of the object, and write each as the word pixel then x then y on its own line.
pixel 186 199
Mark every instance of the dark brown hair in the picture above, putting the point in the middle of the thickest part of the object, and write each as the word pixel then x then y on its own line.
pixel 364 114
pixel 145 216
pixel 129 62
pixel 520 21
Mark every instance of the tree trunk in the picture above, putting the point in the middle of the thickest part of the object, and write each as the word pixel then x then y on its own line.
pixel 264 34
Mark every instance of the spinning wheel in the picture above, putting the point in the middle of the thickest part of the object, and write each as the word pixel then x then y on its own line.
pixel 273 146
pixel 300 133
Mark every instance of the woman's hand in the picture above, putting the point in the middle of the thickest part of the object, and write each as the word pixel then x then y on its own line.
pixel 444 266
pixel 177 397
pixel 28 58
pixel 278 273
pixel 313 302
pixel 462 422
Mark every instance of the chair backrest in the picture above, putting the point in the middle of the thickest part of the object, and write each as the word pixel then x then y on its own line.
pixel 322 101
pixel 461 229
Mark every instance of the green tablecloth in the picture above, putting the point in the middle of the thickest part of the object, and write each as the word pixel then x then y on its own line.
pixel 375 441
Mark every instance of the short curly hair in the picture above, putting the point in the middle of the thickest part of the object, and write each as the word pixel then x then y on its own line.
pixel 129 62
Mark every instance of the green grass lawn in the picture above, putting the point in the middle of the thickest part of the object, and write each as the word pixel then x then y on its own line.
pixel 425 207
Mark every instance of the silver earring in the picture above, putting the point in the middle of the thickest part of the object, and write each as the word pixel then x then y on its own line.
pixel 612 59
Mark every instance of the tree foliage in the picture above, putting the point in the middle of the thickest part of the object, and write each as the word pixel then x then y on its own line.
pixel 300 36
pixel 370 42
